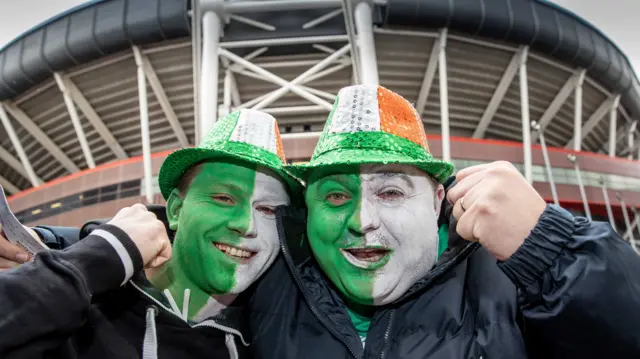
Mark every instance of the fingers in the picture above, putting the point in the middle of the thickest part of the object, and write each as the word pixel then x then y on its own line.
pixel 462 187
pixel 163 256
pixel 6 264
pixel 466 172
pixel 11 252
pixel 466 219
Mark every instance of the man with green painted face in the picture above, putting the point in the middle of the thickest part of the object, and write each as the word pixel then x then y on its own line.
pixel 385 267
pixel 221 201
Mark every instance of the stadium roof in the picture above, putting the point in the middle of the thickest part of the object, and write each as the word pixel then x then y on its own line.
pixel 102 27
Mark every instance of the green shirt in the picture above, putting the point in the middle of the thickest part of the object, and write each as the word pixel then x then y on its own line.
pixel 361 323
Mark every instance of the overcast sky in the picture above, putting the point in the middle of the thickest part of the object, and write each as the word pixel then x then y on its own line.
pixel 618 19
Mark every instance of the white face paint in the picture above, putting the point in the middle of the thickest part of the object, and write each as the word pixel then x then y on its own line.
pixel 262 237
pixel 399 211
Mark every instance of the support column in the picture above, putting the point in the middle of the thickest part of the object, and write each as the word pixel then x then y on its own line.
pixel 607 203
pixel 444 96
pixel 631 139
pixel 225 109
pixel 366 44
pixel 627 223
pixel 211 29
pixel 144 126
pixel 4 118
pixel 547 163
pixel 613 119
pixel 583 193
pixel 75 120
pixel 577 114
pixel 526 122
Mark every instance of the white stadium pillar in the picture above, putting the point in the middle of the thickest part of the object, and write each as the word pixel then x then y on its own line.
pixel 613 119
pixel 526 122
pixel 75 120
pixel 631 139
pixel 444 95
pixel 211 31
pixel 144 125
pixel 366 44
pixel 577 113
pixel 17 145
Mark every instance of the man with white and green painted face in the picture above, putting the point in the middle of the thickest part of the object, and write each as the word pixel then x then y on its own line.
pixel 221 203
pixel 383 266
pixel 374 228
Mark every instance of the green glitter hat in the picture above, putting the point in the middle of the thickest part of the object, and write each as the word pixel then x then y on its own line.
pixel 370 125
pixel 247 135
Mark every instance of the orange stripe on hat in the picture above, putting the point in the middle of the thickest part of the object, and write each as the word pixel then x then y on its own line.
pixel 398 117
pixel 279 149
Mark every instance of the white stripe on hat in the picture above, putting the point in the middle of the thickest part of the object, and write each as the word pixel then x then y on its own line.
pixel 357 110
pixel 256 128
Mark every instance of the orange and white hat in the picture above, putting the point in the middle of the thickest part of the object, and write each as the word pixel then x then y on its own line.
pixel 248 135
pixel 369 125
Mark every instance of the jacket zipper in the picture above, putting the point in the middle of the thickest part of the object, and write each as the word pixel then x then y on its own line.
pixel 313 309
pixel 386 335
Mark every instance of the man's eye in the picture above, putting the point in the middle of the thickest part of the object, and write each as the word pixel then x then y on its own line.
pixel 223 198
pixel 270 211
pixel 337 198
pixel 391 194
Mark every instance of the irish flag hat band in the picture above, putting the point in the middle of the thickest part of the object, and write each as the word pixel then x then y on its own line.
pixel 370 125
pixel 247 135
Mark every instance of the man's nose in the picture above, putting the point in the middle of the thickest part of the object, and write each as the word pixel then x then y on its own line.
pixel 244 225
pixel 366 218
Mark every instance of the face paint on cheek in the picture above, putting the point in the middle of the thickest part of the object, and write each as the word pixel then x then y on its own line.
pixel 213 220
pixel 410 227
pixel 263 239
pixel 332 229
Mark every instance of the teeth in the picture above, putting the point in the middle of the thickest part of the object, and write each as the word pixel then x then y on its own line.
pixel 232 251
pixel 372 259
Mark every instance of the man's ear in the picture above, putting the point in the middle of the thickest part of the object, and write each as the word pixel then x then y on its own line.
pixel 439 197
pixel 174 206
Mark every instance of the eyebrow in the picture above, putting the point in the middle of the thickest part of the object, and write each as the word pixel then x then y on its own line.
pixel 389 175
pixel 231 187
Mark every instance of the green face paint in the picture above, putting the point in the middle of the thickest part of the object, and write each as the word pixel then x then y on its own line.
pixel 373 229
pixel 226 234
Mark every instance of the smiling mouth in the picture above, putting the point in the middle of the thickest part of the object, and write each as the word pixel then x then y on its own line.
pixel 241 255
pixel 367 257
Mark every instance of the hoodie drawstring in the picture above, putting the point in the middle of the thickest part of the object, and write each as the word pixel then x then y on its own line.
pixel 230 341
pixel 150 344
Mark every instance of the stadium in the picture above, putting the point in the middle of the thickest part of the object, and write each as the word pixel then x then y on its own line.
pixel 94 99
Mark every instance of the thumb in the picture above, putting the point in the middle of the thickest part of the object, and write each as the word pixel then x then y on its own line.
pixel 10 251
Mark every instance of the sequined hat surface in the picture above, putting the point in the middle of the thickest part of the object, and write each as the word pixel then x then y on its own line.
pixel 369 125
pixel 247 135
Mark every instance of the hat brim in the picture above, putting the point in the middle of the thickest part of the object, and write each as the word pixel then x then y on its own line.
pixel 180 161
pixel 438 169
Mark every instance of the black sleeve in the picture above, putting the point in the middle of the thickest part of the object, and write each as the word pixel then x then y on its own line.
pixel 58 237
pixel 44 302
pixel 579 289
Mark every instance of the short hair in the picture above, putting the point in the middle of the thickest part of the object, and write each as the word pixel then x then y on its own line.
pixel 187 179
